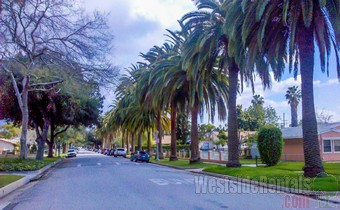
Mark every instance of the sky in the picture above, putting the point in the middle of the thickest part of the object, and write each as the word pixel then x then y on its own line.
pixel 138 25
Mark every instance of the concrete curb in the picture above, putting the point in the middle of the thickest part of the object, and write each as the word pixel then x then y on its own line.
pixel 276 188
pixel 26 179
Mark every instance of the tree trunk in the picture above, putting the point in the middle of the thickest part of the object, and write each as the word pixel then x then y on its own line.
pixel 313 164
pixel 25 118
pixel 160 135
pixel 50 143
pixel 149 142
pixel 140 141
pixel 195 155
pixel 127 143
pixel 123 139
pixel 42 139
pixel 132 142
pixel 233 143
pixel 293 109
pixel 173 155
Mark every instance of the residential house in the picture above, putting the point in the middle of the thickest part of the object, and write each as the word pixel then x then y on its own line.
pixel 6 145
pixel 329 141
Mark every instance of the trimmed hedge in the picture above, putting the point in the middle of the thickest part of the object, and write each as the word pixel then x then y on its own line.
pixel 270 144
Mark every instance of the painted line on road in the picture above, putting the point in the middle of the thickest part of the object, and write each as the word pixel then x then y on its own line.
pixel 164 182
pixel 117 163
pixel 137 163
pixel 79 165
pixel 99 164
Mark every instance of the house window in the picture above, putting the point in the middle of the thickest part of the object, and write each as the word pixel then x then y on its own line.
pixel 327 146
pixel 337 145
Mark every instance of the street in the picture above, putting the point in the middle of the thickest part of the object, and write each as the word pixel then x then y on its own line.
pixel 94 181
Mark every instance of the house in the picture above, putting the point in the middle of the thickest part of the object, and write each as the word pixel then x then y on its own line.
pixel 6 145
pixel 329 141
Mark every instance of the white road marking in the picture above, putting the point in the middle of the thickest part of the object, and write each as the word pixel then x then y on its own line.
pixel 79 165
pixel 99 164
pixel 117 163
pixel 137 163
pixel 174 181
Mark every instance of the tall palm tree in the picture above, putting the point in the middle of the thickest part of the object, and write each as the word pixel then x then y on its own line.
pixel 257 100
pixel 213 44
pixel 294 27
pixel 293 95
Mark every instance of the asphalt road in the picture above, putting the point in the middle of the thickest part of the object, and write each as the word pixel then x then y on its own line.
pixel 94 181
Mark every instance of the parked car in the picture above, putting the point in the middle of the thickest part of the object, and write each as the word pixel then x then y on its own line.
pixel 140 156
pixel 112 151
pixel 105 151
pixel 120 152
pixel 71 153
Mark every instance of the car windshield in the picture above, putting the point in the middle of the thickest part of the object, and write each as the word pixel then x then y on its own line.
pixel 120 149
pixel 142 153
pixel 71 150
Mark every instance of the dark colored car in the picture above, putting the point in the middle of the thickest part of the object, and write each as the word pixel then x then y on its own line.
pixel 112 152
pixel 140 156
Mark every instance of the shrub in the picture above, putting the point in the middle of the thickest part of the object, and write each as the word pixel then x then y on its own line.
pixel 270 144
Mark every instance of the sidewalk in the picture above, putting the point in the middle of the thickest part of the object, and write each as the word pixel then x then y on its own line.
pixel 28 177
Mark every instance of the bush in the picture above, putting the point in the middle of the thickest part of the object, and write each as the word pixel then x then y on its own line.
pixel 270 144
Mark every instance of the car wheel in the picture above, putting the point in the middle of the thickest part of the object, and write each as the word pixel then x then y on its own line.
pixel 147 161
pixel 115 155
pixel 124 156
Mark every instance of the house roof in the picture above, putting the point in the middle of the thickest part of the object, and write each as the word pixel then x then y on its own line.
pixel 296 132
pixel 8 141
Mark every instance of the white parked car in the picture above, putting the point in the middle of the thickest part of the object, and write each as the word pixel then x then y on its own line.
pixel 71 153
pixel 120 152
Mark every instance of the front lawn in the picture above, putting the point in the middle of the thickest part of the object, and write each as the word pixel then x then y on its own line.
pixel 287 174
pixel 7 179
pixel 16 164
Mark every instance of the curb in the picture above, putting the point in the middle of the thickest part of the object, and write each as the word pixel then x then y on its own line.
pixel 277 188
pixel 175 167
pixel 21 182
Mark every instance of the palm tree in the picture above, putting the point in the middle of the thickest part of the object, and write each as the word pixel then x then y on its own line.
pixel 213 45
pixel 293 95
pixel 257 100
pixel 294 27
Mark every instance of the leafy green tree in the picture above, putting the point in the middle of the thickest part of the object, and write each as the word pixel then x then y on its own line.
pixel 222 138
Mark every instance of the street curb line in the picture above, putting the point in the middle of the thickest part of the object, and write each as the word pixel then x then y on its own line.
pixel 312 194
pixel 21 182
pixel 175 167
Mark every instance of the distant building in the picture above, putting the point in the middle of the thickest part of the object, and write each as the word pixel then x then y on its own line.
pixel 6 145
pixel 329 141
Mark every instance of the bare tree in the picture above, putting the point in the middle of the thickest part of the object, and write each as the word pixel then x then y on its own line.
pixel 53 34
pixel 323 116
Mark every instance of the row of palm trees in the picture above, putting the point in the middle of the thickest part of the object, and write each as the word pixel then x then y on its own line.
pixel 220 46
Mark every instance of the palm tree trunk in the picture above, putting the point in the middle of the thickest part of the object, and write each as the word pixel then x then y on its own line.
pixel 123 139
pixel 173 155
pixel 149 142
pixel 313 164
pixel 195 155
pixel 127 143
pixel 140 141
pixel 293 109
pixel 132 142
pixel 233 143
pixel 160 135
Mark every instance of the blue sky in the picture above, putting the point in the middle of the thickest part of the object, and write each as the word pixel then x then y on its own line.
pixel 140 24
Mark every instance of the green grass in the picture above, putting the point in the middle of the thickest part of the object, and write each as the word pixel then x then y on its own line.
pixel 287 174
pixel 7 179
pixel 16 164
pixel 183 163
